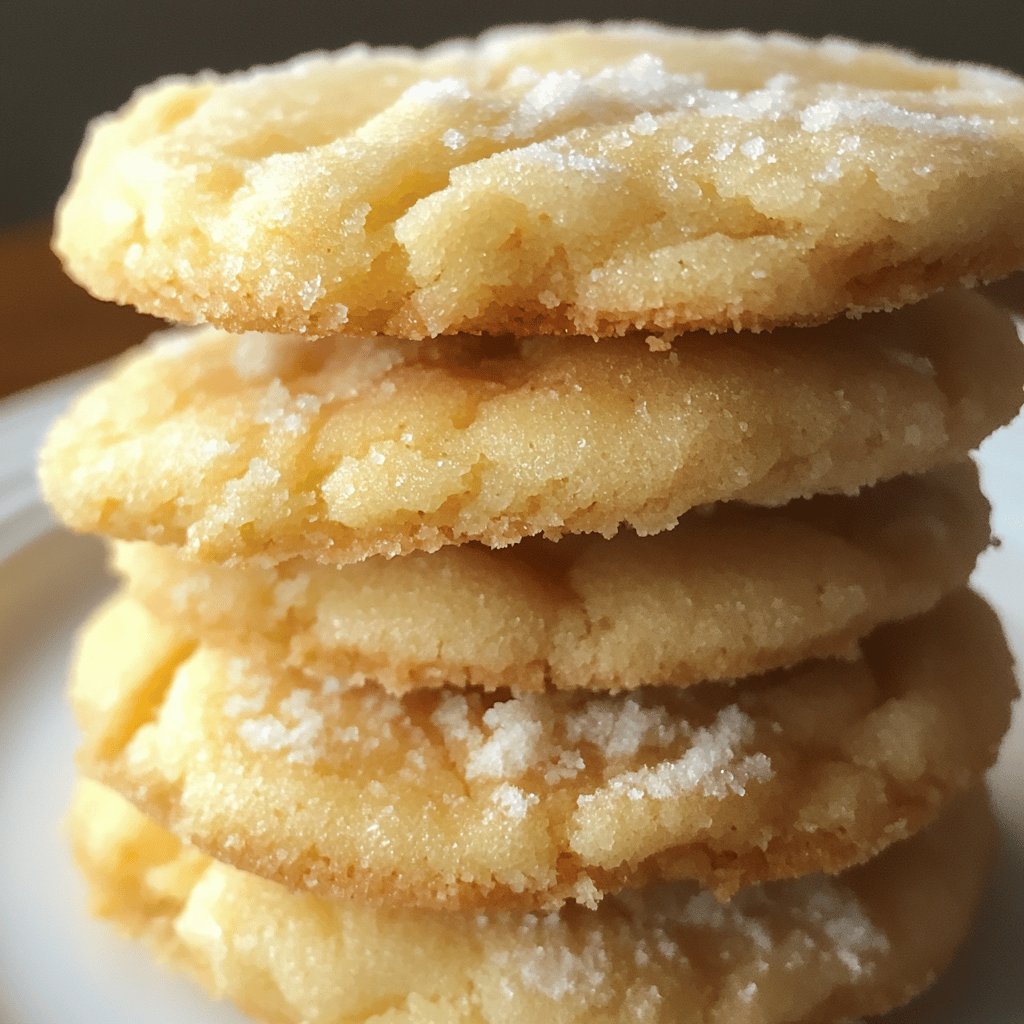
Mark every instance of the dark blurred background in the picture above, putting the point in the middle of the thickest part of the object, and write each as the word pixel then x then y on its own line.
pixel 63 62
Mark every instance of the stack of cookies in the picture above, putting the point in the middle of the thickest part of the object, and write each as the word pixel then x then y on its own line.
pixel 543 582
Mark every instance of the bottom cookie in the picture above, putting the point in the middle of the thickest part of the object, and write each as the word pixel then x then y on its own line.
pixel 816 949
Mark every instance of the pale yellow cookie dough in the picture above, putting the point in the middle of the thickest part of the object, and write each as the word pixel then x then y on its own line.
pixel 581 180
pixel 269 447
pixel 728 592
pixel 817 950
pixel 461 798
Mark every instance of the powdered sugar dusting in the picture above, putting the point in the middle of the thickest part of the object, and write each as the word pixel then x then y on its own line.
pixel 513 802
pixel 214 448
pixel 555 156
pixel 512 748
pixel 620 731
pixel 816 920
pixel 516 742
pixel 543 959
pixel 310 292
pixel 835 112
pixel 285 412
pixel 297 729
pixel 645 124
pixel 453 139
pixel 819 915
pixel 714 764
pixel 640 90
pixel 753 148
pixel 641 86
pixel 854 936
pixel 829 914
pixel 309 724
pixel 443 90
pixel 525 735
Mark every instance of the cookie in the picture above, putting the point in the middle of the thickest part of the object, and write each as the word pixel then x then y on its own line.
pixel 267 447
pixel 729 592
pixel 567 180
pixel 816 950
pixel 461 798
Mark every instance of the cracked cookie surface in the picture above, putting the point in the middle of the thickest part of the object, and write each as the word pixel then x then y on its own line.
pixel 574 180
pixel 464 798
pixel 732 590
pixel 268 447
pixel 814 950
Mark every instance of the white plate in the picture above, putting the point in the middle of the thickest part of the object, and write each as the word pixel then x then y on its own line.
pixel 56 965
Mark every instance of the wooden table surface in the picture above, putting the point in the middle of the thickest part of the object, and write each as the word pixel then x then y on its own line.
pixel 50 326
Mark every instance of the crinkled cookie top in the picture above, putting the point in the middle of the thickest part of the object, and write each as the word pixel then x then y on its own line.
pixel 574 179
pixel 812 950
pixel 454 797
pixel 262 447
pixel 732 590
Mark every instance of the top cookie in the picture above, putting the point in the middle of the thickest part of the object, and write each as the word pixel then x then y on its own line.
pixel 571 180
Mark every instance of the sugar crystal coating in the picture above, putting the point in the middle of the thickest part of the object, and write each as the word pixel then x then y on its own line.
pixel 813 950
pixel 575 179
pixel 264 448
pixel 451 797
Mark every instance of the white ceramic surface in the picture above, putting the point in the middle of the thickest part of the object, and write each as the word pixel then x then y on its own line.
pixel 59 967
